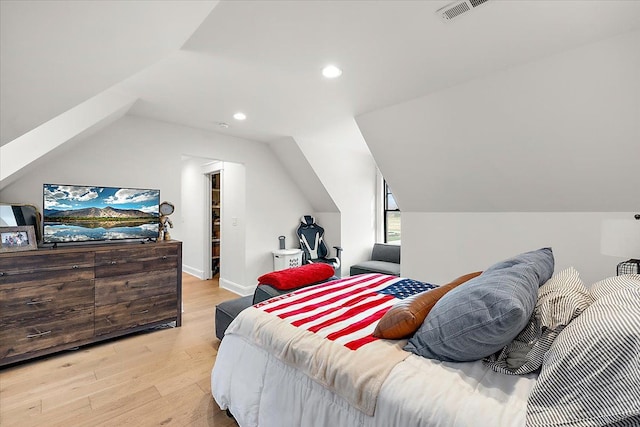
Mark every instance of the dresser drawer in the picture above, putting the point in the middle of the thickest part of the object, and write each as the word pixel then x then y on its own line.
pixel 142 259
pixel 113 290
pixel 126 315
pixel 44 269
pixel 24 337
pixel 49 260
pixel 23 303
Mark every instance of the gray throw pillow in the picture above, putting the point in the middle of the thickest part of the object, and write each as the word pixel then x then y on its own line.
pixel 543 258
pixel 481 316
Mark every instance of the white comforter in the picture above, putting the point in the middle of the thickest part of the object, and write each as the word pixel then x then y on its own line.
pixel 260 390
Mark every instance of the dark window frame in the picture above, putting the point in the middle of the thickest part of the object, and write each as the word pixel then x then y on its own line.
pixel 385 209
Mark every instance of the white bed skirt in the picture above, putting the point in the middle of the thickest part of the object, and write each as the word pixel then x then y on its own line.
pixel 260 390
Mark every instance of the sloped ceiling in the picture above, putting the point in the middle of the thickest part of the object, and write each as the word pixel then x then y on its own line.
pixel 558 134
pixel 55 55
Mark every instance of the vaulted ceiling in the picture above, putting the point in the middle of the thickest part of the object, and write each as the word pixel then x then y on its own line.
pixel 198 62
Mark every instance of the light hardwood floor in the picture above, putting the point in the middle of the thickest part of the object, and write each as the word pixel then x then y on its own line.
pixel 159 378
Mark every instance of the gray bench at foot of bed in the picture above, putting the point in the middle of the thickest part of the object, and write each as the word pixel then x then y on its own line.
pixel 228 310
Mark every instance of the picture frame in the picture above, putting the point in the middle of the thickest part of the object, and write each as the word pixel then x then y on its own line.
pixel 20 238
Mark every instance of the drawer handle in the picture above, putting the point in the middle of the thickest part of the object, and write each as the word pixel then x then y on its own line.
pixel 39 334
pixel 75 267
pixel 113 262
pixel 42 301
pixel 164 257
pixel 143 285
pixel 140 312
pixel 1 273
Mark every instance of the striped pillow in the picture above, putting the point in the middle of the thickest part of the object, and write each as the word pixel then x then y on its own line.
pixel 591 373
pixel 560 300
pixel 613 284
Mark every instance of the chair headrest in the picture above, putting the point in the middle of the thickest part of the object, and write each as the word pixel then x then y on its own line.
pixel 307 220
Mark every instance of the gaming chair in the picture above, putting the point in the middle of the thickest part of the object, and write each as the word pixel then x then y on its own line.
pixel 314 250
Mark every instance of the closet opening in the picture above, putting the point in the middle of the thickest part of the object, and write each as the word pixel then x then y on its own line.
pixel 216 205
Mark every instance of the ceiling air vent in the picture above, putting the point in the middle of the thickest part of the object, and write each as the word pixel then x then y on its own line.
pixel 458 8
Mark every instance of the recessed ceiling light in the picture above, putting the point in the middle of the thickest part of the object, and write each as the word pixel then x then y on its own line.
pixel 239 116
pixel 223 125
pixel 331 72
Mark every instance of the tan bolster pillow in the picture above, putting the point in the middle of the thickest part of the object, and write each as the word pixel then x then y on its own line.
pixel 405 317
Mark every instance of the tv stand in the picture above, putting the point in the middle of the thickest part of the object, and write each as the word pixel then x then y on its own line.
pixel 76 295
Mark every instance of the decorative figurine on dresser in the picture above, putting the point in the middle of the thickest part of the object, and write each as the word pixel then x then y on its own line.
pixel 165 209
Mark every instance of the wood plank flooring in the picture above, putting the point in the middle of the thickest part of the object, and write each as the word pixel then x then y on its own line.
pixel 159 378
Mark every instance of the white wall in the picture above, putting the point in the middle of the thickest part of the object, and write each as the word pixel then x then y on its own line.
pixel 233 236
pixel 294 161
pixel 535 155
pixel 143 153
pixel 124 154
pixel 193 217
pixel 344 165
pixel 452 244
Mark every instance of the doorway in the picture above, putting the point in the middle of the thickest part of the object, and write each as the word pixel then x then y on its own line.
pixel 197 222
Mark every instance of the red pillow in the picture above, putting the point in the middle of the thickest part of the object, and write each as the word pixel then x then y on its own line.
pixel 295 277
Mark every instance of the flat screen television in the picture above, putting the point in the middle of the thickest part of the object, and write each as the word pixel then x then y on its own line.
pixel 80 213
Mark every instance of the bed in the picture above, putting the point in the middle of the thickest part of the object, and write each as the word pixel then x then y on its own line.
pixel 314 358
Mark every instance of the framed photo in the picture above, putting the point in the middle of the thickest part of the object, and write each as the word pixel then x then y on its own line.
pixel 21 238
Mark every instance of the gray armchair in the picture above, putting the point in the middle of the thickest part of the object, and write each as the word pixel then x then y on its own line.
pixel 385 259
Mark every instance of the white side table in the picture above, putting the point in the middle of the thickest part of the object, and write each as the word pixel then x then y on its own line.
pixel 287 258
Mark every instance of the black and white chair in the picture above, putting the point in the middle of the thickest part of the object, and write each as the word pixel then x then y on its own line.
pixel 314 250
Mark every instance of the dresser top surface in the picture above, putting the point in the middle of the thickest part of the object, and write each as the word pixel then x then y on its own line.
pixel 71 248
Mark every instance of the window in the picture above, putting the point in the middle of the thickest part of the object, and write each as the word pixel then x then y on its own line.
pixel 391 217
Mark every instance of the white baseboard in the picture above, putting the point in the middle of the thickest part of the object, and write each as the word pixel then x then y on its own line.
pixel 236 288
pixel 193 271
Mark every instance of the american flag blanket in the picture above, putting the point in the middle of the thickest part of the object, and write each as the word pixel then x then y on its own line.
pixel 325 331
pixel 345 311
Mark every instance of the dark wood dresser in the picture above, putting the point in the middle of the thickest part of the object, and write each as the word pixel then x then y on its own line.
pixel 56 299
